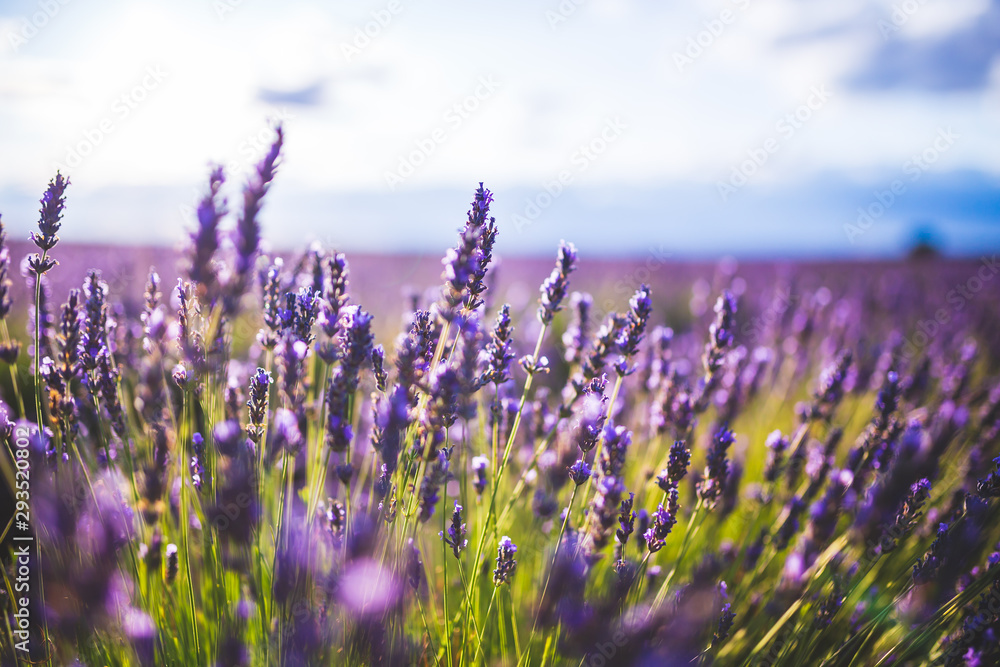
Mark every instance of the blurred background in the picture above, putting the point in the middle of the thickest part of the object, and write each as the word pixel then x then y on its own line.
pixel 828 129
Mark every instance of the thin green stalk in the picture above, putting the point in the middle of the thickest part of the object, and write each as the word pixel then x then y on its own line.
pixel 486 622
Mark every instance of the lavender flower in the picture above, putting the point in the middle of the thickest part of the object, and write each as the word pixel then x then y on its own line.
pixel 506 563
pixel 479 466
pixel 677 467
pixel 436 476
pixel 5 283
pixel 831 388
pixel 456 532
pixel 777 445
pixel 49 221
pixel 576 334
pixel 484 254
pixel 378 367
pixel 415 569
pixel 198 474
pixel 260 382
pixel 720 335
pixel 345 378
pixel 726 618
pixel 107 384
pixel 247 239
pixel 591 422
pixel 626 520
pixel 907 515
pixel 204 240
pixel 465 264
pixel 927 566
pixel 335 297
pixel 173 565
pixel 555 286
pixel 580 472
pixel 617 440
pixel 499 352
pixel 663 521
pixel 640 308
pixel 716 468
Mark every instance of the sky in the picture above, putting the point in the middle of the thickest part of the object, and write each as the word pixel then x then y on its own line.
pixel 755 128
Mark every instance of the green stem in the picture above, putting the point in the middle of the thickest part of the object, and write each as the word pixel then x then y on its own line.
pixel 486 622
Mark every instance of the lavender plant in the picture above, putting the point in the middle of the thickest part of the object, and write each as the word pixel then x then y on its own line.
pixel 189 501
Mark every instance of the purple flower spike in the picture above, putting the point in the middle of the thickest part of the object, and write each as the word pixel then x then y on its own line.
pixel 555 286
pixel 456 532
pixel 726 618
pixel 499 351
pixel 677 467
pixel 663 521
pixel 479 466
pixel 49 221
pixel 777 445
pixel 641 306
pixel 506 563
pixel 716 468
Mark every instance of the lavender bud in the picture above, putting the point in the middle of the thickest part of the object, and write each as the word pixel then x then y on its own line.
pixel 479 466
pixel 378 367
pixel 575 337
pixel 777 445
pixel 456 532
pixel 499 352
pixel 626 520
pixel 677 467
pixel 580 472
pixel 430 487
pixel 198 475
pixel 716 468
pixel 640 308
pixel 260 383
pixel 555 286
pixel 663 521
pixel 726 618
pixel 50 219
pixel 172 563
pixel 506 563
pixel 5 282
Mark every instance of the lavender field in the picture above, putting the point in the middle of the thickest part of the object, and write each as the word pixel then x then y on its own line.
pixel 252 457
